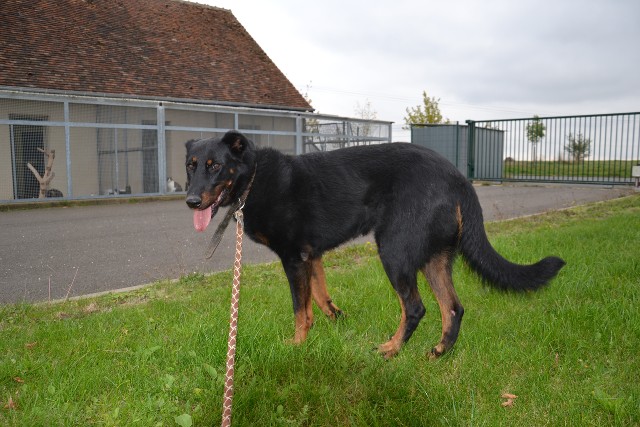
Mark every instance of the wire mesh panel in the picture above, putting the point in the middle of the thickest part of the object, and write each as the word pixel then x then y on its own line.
pixel 193 118
pixel 17 108
pixel 33 164
pixel 109 113
pixel 26 143
pixel 114 150
pixel 110 147
pixel 112 161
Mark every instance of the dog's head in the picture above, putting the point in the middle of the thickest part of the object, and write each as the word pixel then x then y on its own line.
pixel 218 170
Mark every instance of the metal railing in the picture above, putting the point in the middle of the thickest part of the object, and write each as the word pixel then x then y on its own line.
pixel 595 149
pixel 333 133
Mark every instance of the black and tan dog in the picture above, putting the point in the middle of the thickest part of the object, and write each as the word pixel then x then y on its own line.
pixel 422 211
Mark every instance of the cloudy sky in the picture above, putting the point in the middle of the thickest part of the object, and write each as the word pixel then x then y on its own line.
pixel 486 59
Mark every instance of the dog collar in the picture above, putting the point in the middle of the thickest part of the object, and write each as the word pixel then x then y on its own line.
pixel 237 206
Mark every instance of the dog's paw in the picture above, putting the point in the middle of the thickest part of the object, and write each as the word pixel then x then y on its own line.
pixel 433 354
pixel 388 350
pixel 337 315
pixel 388 355
pixel 293 341
pixel 436 352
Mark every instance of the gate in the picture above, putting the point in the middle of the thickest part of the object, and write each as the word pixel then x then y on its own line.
pixel 591 149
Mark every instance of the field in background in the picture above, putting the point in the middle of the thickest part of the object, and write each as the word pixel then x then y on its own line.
pixel 584 169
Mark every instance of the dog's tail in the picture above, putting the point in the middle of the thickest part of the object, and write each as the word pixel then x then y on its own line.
pixel 488 263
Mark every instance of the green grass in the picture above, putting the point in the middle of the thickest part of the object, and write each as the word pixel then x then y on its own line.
pixel 156 356
pixel 585 168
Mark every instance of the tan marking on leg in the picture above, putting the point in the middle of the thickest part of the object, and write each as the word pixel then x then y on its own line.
pixel 459 219
pixel 304 321
pixel 392 347
pixel 319 289
pixel 300 275
pixel 438 274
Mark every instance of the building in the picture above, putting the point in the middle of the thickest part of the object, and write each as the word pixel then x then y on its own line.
pixel 115 88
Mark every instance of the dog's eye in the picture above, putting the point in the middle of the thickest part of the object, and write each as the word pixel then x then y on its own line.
pixel 191 166
pixel 214 166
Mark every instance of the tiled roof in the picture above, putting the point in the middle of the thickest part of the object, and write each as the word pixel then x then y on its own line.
pixel 167 49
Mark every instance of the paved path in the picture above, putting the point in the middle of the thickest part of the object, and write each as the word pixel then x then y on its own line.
pixel 52 252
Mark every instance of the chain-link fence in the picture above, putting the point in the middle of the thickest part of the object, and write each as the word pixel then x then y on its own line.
pixel 82 147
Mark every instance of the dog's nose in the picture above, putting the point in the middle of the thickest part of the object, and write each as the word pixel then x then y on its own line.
pixel 193 201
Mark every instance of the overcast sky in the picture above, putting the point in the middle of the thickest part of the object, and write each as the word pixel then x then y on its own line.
pixel 486 59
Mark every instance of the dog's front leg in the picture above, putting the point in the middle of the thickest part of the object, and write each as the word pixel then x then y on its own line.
pixel 299 276
pixel 319 290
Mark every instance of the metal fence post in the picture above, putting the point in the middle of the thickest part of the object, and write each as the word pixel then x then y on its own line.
pixel 299 147
pixel 457 145
pixel 471 161
pixel 67 144
pixel 162 151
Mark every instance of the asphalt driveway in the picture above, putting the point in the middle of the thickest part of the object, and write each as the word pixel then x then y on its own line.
pixel 54 252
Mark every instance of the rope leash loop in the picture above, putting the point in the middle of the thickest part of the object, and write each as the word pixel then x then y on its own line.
pixel 233 322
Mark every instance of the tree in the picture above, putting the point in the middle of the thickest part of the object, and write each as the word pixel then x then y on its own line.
pixel 578 147
pixel 535 132
pixel 428 112
pixel 365 112
pixel 305 95
pixel 311 124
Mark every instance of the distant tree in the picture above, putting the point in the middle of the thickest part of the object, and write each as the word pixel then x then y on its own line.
pixel 365 112
pixel 578 147
pixel 311 124
pixel 427 113
pixel 535 132
pixel 306 95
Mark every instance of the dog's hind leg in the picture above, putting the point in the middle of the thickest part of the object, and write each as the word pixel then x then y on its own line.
pixel 438 274
pixel 299 276
pixel 319 290
pixel 412 311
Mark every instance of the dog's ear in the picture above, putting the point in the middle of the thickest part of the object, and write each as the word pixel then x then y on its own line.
pixel 189 144
pixel 237 142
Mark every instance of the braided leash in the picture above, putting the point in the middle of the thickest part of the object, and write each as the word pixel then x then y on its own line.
pixel 233 323
pixel 235 210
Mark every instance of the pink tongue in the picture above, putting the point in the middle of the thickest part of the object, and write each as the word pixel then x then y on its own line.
pixel 201 219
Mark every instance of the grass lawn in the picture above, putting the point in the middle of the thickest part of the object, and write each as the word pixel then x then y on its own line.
pixel 586 169
pixel 155 357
